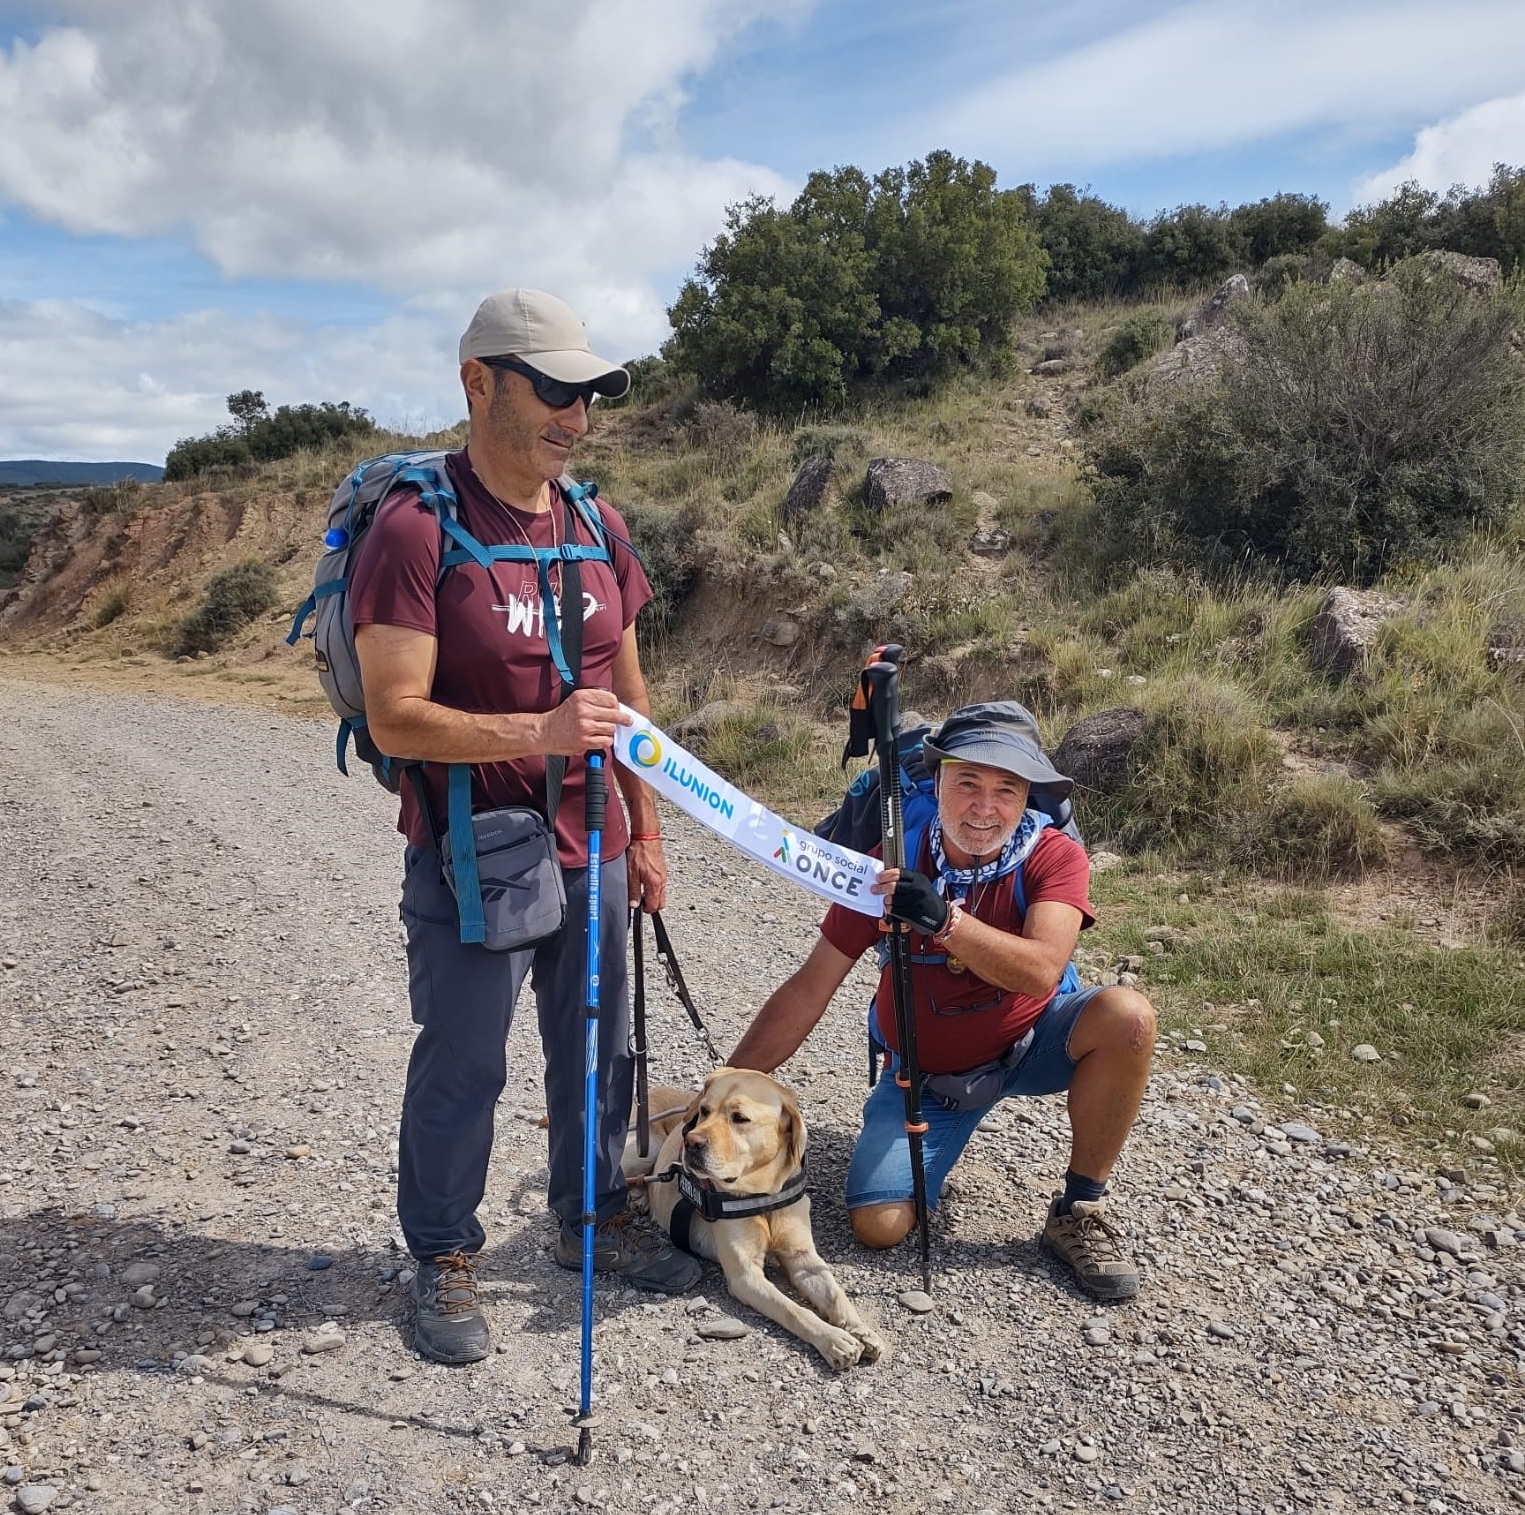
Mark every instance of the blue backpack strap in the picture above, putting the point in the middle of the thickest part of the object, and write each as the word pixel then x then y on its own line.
pixel 463 855
pixel 304 610
pixel 347 730
pixel 1069 980
pixel 468 549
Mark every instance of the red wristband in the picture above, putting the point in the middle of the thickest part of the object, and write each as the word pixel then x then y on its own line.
pixel 645 836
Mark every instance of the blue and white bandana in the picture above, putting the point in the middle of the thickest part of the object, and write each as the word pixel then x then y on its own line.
pixel 959 883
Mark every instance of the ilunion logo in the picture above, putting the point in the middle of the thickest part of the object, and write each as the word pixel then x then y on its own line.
pixel 645 749
pixel 782 855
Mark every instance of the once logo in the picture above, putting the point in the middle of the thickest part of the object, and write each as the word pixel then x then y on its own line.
pixel 645 749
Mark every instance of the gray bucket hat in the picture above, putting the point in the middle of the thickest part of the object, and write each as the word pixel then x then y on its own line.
pixel 998 734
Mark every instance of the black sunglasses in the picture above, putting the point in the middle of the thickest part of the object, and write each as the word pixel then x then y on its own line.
pixel 553 392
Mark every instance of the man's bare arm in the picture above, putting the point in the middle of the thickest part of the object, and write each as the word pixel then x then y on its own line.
pixel 792 1010
pixel 397 674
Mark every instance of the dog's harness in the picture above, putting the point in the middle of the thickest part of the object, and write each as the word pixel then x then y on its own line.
pixel 712 1205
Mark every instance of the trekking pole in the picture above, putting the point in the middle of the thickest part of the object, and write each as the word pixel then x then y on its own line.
pixel 879 684
pixel 594 813
pixel 642 1090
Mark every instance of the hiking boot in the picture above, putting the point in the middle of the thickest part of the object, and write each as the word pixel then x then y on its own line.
pixel 1091 1249
pixel 447 1324
pixel 634 1250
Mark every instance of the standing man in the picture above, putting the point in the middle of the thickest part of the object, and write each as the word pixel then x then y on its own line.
pixel 995 902
pixel 457 669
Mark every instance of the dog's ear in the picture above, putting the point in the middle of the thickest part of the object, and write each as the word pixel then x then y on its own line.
pixel 794 1128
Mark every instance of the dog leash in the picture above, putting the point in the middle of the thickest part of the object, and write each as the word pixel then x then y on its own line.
pixel 679 985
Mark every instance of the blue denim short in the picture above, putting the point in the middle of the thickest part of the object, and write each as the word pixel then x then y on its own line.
pixel 880 1171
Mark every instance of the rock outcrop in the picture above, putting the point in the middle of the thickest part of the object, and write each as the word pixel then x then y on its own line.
pixel 1097 751
pixel 1346 627
pixel 1211 311
pixel 810 489
pixel 1480 274
pixel 905 481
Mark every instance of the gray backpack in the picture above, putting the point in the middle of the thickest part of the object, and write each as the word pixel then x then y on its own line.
pixel 350 514
pixel 491 905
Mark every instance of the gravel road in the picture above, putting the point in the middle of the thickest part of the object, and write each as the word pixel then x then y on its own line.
pixel 204 1032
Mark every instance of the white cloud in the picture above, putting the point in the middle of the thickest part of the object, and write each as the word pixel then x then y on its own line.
pixel 1461 150
pixel 432 149
pixel 77 384
pixel 1213 76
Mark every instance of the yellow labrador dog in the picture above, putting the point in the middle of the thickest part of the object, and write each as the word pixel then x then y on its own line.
pixel 741 1143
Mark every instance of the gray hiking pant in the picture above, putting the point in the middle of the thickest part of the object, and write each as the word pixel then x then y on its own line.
pixel 463 1000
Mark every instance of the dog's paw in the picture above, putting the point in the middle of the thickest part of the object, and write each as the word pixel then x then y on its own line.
pixel 873 1344
pixel 840 1348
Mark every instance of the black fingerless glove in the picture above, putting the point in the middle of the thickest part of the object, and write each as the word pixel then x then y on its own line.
pixel 915 901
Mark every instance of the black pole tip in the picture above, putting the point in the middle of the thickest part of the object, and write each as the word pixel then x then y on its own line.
pixel 584 1452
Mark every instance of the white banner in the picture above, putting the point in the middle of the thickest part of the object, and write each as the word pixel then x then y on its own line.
pixel 835 873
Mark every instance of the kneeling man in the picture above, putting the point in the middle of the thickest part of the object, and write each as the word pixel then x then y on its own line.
pixel 995 897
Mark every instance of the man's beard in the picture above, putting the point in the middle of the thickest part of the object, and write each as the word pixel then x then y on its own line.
pixel 977 843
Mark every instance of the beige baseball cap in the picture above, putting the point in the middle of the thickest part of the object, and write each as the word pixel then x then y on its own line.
pixel 535 326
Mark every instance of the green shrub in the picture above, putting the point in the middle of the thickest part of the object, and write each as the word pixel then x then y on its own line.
pixel 859 284
pixel 1139 335
pixel 264 437
pixel 664 536
pixel 1189 245
pixel 222 452
pixel 124 498
pixel 1200 773
pixel 843 445
pixel 1483 223
pixel 728 435
pixel 1278 227
pixel 114 604
pixel 1093 248
pixel 233 598
pixel 652 382
pixel 1472 808
pixel 755 748
pixel 1275 274
pixel 1350 428
pixel 1318 828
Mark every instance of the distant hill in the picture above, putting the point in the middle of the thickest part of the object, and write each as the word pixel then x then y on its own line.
pixel 22 471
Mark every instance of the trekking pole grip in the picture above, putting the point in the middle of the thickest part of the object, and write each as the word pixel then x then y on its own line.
pixel 595 794
pixel 880 682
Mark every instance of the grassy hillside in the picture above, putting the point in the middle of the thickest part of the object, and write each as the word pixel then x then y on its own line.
pixel 1310 863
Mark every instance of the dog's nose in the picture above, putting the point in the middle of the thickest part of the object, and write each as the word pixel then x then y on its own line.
pixel 695 1141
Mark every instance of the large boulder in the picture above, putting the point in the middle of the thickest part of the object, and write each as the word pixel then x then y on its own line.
pixel 1210 312
pixel 1481 274
pixel 904 481
pixel 1346 627
pixel 1346 271
pixel 811 486
pixel 695 727
pixel 1097 751
pixel 1199 357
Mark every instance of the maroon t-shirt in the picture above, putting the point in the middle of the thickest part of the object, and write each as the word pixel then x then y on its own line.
pixel 961 1021
pixel 493 657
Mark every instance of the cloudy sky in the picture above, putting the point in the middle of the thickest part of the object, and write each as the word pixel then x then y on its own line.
pixel 309 197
